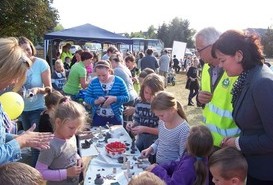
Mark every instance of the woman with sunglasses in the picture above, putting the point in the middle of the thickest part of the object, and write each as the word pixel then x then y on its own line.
pixel 13 67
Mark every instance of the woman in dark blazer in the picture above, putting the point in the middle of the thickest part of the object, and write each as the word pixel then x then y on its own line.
pixel 240 54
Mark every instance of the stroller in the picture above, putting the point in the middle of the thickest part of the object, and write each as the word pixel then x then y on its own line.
pixel 171 77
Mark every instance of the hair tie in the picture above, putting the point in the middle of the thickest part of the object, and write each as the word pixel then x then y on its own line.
pixel 65 100
pixel 199 158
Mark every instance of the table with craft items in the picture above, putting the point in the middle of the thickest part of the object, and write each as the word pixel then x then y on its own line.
pixel 113 167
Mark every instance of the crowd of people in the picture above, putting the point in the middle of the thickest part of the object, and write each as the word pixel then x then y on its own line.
pixel 228 76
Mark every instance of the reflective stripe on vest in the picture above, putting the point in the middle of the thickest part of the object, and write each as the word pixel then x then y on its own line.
pixel 223 132
pixel 219 111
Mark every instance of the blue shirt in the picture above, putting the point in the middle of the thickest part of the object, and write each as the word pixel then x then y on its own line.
pixel 34 79
pixel 9 151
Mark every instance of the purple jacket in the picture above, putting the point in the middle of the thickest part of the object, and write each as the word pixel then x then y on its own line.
pixel 178 172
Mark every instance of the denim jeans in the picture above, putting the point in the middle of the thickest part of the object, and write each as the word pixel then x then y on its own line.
pixel 28 119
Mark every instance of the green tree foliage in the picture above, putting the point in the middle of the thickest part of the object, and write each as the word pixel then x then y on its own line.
pixel 137 35
pixel 177 30
pixel 151 33
pixel 267 41
pixel 58 27
pixel 163 34
pixel 30 18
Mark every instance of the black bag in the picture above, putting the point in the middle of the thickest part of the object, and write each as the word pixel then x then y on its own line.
pixel 188 84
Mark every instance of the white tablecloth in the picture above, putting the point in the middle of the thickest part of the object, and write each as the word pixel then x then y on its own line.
pixel 103 164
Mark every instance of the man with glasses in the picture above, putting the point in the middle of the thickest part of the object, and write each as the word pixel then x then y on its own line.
pixel 215 91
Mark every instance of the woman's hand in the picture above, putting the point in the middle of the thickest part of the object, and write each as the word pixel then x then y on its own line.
pixel 38 140
pixel 228 141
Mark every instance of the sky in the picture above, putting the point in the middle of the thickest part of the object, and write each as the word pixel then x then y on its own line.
pixel 128 16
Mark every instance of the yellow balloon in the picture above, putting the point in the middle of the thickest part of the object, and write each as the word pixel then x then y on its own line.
pixel 13 104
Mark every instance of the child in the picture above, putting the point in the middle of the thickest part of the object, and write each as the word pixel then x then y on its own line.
pixel 173 129
pixel 59 75
pixel 51 100
pixel 192 167
pixel 145 178
pixel 106 94
pixel 67 63
pixel 228 167
pixel 144 73
pixel 131 64
pixel 129 111
pixel 16 173
pixel 61 164
pixel 145 122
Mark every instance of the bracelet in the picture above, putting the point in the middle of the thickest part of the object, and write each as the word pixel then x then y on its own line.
pixel 237 144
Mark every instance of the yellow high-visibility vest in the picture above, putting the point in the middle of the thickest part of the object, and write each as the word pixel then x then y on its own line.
pixel 217 114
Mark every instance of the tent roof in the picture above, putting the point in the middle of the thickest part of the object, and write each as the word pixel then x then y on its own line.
pixel 88 33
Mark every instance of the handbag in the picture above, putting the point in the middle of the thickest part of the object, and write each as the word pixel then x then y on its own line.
pixel 188 84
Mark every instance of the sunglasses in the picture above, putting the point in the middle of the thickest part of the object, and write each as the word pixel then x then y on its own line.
pixel 25 60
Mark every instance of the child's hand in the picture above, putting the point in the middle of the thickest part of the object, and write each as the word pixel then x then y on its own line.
pixel 74 171
pixel 129 111
pixel 145 153
pixel 100 100
pixel 109 100
pixel 129 125
pixel 138 130
pixel 151 167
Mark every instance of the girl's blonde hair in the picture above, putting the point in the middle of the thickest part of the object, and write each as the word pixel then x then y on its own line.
pixel 70 110
pixel 59 62
pixel 164 100
pixel 13 62
pixel 145 178
pixel 154 82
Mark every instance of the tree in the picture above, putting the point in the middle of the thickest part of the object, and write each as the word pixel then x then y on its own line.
pixel 267 41
pixel 162 33
pixel 30 18
pixel 178 30
pixel 139 34
pixel 151 33
pixel 58 27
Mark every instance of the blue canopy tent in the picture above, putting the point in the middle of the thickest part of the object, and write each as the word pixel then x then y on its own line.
pixel 84 33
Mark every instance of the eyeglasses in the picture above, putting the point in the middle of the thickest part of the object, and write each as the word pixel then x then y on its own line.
pixel 200 50
pixel 25 60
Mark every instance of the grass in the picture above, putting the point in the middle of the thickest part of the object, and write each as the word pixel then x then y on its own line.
pixel 193 113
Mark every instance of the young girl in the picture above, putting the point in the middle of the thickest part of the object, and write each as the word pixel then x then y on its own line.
pixel 51 100
pixel 173 129
pixel 145 178
pixel 106 94
pixel 61 164
pixel 145 122
pixel 192 168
